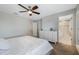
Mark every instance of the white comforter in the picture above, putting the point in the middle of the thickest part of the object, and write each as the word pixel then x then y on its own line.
pixel 28 45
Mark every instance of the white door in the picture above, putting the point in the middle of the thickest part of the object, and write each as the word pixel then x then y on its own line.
pixel 65 30
pixel 35 29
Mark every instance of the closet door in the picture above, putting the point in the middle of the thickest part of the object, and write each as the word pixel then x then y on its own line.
pixel 35 29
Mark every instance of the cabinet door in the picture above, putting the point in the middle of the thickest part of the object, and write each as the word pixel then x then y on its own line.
pixel 54 36
pixel 49 35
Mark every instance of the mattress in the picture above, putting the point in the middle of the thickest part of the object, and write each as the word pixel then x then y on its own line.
pixel 28 45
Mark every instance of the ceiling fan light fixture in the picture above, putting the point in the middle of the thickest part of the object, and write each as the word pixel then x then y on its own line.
pixel 29 12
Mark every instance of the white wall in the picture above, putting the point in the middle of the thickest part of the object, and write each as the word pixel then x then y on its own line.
pixel 13 25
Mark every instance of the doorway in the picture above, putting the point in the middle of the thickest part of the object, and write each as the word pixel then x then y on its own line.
pixel 35 29
pixel 66 29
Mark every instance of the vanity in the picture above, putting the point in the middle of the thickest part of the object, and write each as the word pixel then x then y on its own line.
pixel 48 35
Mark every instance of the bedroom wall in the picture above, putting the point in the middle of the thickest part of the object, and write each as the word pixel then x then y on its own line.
pixel 13 25
pixel 49 22
pixel 77 26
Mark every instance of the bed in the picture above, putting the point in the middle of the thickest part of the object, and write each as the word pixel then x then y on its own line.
pixel 27 45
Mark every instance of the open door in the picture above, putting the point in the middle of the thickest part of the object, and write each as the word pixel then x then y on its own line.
pixel 65 29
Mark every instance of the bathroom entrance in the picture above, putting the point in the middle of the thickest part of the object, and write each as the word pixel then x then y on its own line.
pixel 66 29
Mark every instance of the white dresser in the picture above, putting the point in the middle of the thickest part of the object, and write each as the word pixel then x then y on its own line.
pixel 48 35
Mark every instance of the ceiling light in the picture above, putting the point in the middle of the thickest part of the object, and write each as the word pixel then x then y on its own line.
pixel 29 12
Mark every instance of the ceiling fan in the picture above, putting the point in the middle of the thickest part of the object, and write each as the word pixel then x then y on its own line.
pixel 30 10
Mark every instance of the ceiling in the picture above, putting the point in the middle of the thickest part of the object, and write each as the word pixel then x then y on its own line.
pixel 44 9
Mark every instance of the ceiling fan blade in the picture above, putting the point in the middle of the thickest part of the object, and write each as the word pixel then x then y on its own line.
pixel 36 12
pixel 22 11
pixel 23 6
pixel 35 7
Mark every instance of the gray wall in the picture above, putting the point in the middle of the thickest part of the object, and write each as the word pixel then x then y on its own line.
pixel 12 25
pixel 51 21
pixel 77 25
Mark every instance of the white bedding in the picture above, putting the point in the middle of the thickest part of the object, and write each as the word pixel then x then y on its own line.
pixel 28 45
